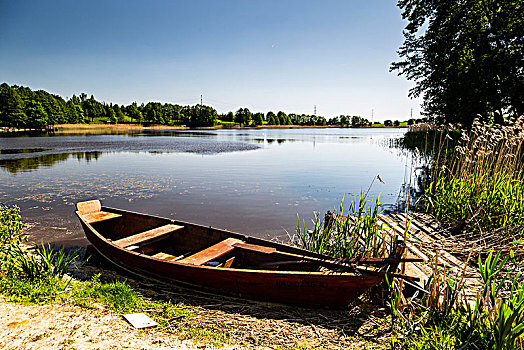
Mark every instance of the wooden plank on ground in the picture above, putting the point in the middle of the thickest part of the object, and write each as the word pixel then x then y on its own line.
pixel 409 245
pixel 421 226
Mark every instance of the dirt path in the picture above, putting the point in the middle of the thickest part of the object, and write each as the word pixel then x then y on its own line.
pixel 72 327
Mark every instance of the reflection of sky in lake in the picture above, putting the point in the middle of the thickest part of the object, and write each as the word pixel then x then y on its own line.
pixel 257 190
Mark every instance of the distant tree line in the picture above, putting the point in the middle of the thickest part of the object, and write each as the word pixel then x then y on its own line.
pixel 346 120
pixel 245 117
pixel 22 107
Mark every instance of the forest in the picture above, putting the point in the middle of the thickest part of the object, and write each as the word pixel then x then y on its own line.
pixel 21 107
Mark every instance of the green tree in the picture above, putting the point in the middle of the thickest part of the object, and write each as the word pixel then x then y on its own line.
pixel 111 115
pixel 92 108
pixel 204 116
pixel 153 113
pixel 36 115
pixel 120 116
pixel 357 121
pixel 230 116
pixel 75 113
pixel 243 116
pixel 466 57
pixel 272 118
pixel 11 107
pixel 283 118
pixel 133 113
pixel 258 118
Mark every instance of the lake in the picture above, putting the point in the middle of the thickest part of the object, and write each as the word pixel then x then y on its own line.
pixel 251 181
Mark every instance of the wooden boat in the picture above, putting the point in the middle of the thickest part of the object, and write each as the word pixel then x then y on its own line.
pixel 225 262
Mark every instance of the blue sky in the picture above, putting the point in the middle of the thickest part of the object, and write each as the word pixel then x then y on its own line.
pixel 287 55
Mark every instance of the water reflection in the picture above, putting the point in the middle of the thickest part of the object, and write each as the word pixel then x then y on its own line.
pixel 22 150
pixel 15 166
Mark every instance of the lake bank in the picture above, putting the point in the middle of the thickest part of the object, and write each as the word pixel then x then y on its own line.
pixel 112 128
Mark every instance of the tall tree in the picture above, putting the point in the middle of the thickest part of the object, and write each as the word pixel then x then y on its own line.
pixel 133 112
pixel 465 56
pixel 92 108
pixel 204 116
pixel 243 116
pixel 11 107
pixel 258 118
pixel 36 115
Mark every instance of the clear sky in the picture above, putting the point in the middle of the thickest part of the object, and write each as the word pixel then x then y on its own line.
pixel 287 55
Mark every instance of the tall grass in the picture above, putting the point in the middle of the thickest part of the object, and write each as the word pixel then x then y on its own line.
pixel 442 319
pixel 18 262
pixel 346 233
pixel 478 187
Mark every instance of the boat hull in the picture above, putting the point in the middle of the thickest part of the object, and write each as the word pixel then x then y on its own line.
pixel 307 289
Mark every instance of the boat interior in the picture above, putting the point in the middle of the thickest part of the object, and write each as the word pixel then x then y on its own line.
pixel 181 242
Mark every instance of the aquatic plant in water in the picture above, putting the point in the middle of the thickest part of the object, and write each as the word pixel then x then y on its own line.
pixel 346 233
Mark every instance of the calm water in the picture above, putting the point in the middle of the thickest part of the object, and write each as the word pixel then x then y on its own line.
pixel 251 181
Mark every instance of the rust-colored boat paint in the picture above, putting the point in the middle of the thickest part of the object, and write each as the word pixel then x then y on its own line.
pixel 181 260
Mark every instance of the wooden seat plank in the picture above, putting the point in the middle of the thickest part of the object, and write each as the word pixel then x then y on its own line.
pixel 99 216
pixel 255 247
pixel 215 251
pixel 163 256
pixel 145 236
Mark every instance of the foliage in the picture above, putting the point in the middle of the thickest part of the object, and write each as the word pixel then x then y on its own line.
pixel 18 262
pixel 44 262
pixel 346 234
pixel 243 116
pixel 479 185
pixel 440 319
pixel 466 57
pixel 11 235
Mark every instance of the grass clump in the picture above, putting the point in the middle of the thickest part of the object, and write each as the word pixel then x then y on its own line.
pixel 346 233
pixel 444 319
pixel 478 187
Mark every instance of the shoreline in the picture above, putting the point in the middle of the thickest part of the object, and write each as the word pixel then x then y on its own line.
pixel 73 128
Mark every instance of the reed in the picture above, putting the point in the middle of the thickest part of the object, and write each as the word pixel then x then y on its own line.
pixel 478 186
pixel 347 232
pixel 443 319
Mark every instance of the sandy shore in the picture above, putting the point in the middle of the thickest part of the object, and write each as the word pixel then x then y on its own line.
pixel 72 327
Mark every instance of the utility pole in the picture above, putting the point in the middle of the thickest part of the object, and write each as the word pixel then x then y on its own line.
pixel 372 112
pixel 411 114
pixel 315 110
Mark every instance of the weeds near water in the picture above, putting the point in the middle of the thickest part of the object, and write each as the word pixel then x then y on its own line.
pixel 45 261
pixel 442 317
pixel 11 235
pixel 347 233
pixel 479 186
